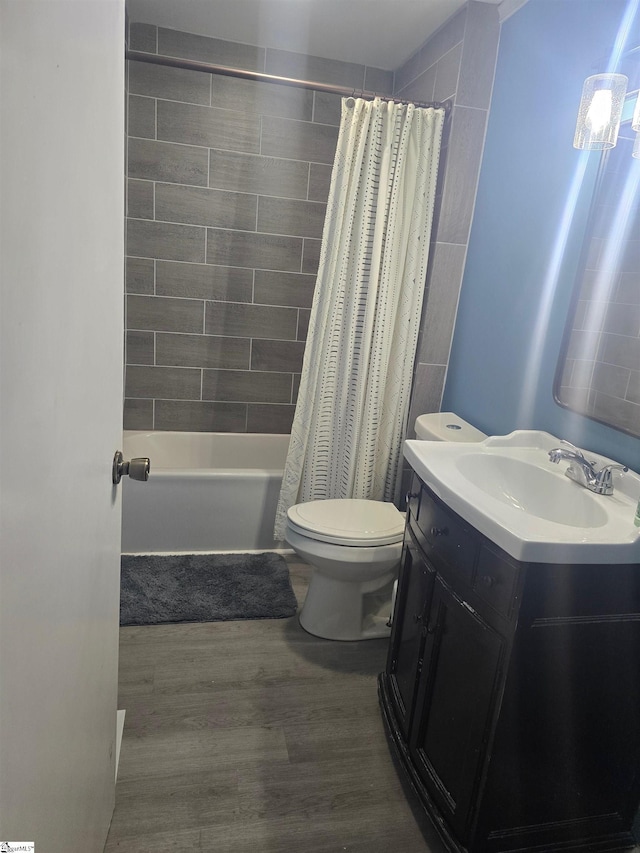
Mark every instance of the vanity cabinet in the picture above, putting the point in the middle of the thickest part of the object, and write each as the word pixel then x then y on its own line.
pixel 511 694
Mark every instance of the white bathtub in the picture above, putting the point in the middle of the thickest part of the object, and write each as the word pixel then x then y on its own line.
pixel 206 492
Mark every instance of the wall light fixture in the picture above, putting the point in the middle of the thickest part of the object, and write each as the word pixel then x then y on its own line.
pixel 600 111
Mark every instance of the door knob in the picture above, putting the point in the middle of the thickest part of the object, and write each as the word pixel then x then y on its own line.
pixel 137 469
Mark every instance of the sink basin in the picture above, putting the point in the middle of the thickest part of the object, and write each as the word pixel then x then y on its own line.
pixel 508 489
pixel 532 490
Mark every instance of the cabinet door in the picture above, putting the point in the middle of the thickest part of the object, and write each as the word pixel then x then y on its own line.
pixel 407 639
pixel 459 683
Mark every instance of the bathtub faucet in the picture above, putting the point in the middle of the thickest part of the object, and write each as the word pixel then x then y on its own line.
pixel 584 472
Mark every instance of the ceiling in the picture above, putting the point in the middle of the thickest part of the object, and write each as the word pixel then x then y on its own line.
pixel 380 33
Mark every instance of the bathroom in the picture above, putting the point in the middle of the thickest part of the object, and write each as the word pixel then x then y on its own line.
pixel 511 385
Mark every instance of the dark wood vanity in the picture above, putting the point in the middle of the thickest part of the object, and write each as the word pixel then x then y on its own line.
pixel 512 691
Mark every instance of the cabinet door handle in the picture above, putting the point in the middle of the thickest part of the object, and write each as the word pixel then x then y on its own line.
pixel 487 580
pixel 411 495
pixel 439 531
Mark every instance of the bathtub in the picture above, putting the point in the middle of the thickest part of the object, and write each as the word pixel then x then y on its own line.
pixel 205 492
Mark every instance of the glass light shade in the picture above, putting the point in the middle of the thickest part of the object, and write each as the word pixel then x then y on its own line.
pixel 635 121
pixel 600 111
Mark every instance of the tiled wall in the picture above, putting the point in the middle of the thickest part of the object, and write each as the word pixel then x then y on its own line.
pixel 456 64
pixel 601 375
pixel 227 187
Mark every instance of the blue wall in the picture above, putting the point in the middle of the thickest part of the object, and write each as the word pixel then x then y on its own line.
pixel 530 215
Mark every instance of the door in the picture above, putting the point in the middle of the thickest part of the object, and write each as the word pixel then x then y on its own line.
pixel 407 639
pixel 61 316
pixel 453 714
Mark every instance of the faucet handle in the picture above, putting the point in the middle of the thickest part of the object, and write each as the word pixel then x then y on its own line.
pixel 604 479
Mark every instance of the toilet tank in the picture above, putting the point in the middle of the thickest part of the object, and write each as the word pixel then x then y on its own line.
pixel 446 426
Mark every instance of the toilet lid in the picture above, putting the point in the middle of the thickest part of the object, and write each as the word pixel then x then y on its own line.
pixel 348 522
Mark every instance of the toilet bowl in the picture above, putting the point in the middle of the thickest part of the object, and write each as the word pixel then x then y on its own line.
pixel 354 547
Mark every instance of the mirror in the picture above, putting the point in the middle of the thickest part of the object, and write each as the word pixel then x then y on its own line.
pixel 598 372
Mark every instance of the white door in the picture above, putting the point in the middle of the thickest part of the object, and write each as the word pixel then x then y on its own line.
pixel 61 321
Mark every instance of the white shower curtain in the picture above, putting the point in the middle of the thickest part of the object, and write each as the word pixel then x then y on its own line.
pixel 346 438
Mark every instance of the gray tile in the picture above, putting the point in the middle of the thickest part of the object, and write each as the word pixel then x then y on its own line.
pixel 139 275
pixel 296 387
pixel 630 262
pixel 204 281
pixel 176 84
pixel 200 206
pixel 444 274
pixel 270 418
pixel 206 49
pixel 311 256
pixel 319 181
pixel 202 351
pixel 303 324
pixel 140 348
pixel 245 386
pixel 447 71
pixel 208 126
pixel 440 43
pixel 302 67
pixel 629 288
pixel 259 251
pixel 281 288
pixel 157 313
pixel 288 216
pixel 251 173
pixel 327 108
pixel 143 37
pixel 162 161
pixel 250 321
pixel 581 373
pixel 482 33
pixel 168 383
pixel 138 414
pixel 583 344
pixel 422 88
pixel 624 414
pixel 140 199
pixel 281 356
pixel 622 319
pixel 142 117
pixel 463 166
pixel 378 80
pixel 610 379
pixel 261 98
pixel 623 351
pixel 299 140
pixel 200 416
pixel 161 240
pixel 426 394
pixel 633 390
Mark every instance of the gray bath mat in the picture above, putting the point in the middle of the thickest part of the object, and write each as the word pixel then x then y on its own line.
pixel 204 588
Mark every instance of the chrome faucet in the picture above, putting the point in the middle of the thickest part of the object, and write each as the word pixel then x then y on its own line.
pixel 583 471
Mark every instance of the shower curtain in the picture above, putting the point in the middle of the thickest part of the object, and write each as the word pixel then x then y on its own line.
pixel 346 438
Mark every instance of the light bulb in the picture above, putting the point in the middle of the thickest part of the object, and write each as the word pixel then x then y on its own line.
pixel 599 112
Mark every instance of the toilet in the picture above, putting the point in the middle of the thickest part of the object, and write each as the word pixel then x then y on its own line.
pixel 354 547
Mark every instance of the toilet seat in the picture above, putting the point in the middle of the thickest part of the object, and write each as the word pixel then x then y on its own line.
pixel 352 522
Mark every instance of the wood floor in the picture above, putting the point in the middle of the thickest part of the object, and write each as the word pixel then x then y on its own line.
pixel 254 737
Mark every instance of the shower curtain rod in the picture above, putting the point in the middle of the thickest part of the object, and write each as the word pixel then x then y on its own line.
pixel 228 71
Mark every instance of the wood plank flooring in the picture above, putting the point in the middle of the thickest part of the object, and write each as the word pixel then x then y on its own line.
pixel 254 737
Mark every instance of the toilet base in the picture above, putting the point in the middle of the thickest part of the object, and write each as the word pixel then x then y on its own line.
pixel 339 610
